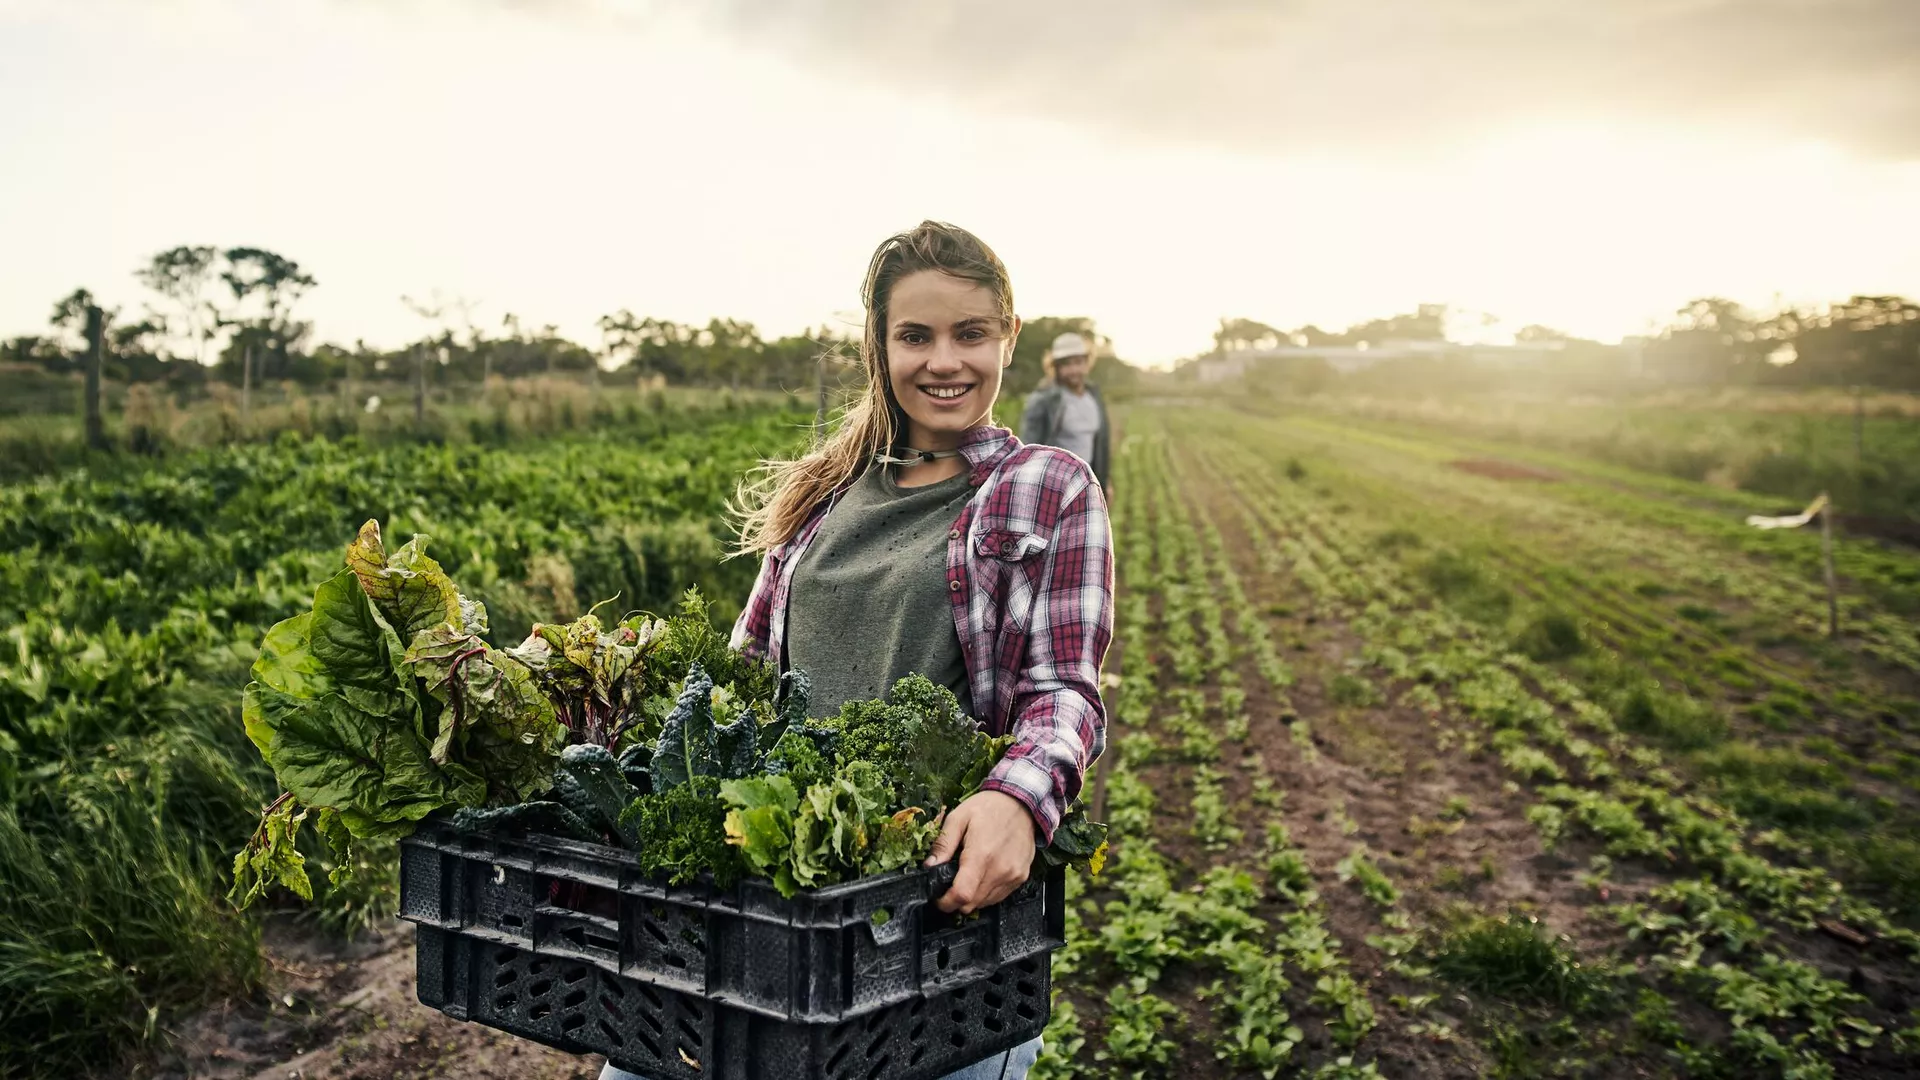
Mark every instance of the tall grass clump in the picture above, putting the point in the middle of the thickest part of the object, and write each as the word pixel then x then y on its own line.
pixel 112 912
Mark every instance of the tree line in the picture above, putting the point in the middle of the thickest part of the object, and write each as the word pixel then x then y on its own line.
pixel 214 310
pixel 1864 341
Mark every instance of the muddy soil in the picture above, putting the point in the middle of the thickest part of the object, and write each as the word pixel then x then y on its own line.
pixel 346 1011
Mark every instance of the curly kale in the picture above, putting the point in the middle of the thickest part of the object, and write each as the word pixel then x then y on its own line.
pixel 681 832
pixel 932 754
pixel 689 638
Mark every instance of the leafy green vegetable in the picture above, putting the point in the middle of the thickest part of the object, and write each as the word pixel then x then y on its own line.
pixel 409 589
pixel 681 832
pixel 332 710
pixel 931 753
pixel 384 703
pixel 1077 841
pixel 594 676
pixel 687 745
pixel 759 821
pixel 540 816
pixel 492 713
pixel 597 774
pixel 272 857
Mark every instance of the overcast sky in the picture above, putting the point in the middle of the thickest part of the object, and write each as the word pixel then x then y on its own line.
pixel 1154 164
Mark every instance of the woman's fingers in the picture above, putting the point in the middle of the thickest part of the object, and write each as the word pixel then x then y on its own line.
pixel 948 841
pixel 963 895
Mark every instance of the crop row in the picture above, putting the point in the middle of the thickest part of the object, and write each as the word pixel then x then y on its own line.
pixel 1226 903
pixel 1728 931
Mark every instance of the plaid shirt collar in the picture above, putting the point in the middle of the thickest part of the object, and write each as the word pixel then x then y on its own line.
pixel 983 449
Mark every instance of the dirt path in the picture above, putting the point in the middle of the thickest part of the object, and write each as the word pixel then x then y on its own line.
pixel 335 1011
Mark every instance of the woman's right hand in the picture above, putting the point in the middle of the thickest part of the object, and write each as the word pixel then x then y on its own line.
pixel 994 835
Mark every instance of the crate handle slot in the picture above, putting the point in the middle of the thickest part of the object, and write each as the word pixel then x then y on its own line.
pixel 894 929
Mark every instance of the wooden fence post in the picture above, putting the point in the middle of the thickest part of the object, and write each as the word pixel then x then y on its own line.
pixel 1826 562
pixel 96 358
pixel 419 386
pixel 246 387
pixel 1859 427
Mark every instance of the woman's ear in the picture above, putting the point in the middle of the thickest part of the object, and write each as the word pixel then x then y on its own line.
pixel 1013 341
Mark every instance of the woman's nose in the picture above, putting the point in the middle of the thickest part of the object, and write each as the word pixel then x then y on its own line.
pixel 944 356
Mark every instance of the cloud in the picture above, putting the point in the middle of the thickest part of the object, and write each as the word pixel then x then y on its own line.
pixel 1386 77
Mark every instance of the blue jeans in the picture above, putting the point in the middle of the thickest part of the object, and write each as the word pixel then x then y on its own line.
pixel 1006 1065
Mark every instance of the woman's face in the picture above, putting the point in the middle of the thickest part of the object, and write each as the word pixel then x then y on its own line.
pixel 945 352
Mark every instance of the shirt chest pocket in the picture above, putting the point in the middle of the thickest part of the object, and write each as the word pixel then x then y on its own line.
pixel 1014 560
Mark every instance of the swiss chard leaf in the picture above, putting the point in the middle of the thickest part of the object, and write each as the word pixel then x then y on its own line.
pixel 409 589
pixel 493 715
pixel 333 714
pixel 271 858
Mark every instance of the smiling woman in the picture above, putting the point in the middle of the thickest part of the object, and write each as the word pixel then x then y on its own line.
pixel 923 539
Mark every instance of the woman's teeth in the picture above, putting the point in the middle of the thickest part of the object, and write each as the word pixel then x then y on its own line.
pixel 945 391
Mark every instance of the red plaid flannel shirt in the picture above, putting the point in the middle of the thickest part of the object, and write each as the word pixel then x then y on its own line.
pixel 1030 569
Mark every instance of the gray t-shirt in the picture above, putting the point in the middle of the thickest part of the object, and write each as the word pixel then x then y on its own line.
pixel 1079 424
pixel 870 601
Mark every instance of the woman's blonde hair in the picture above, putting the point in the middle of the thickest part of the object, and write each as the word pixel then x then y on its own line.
pixel 775 501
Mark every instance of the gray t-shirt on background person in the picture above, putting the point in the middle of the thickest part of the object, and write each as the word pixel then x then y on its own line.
pixel 870 602
pixel 1079 424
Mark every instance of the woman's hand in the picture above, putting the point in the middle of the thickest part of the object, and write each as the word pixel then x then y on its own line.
pixel 993 832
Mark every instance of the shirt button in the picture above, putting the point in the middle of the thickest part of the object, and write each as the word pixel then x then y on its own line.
pixel 954 585
pixel 954 535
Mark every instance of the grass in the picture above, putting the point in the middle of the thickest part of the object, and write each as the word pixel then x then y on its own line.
pixel 1511 958
pixel 110 906
pixel 1678 721
pixel 1467 585
pixel 1551 636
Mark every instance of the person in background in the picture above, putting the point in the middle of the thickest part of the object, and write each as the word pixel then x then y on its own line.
pixel 1068 412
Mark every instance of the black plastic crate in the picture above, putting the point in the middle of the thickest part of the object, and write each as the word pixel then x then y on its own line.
pixel 821 957
pixel 666 1034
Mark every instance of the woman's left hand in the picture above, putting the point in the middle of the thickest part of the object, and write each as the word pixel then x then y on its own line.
pixel 993 832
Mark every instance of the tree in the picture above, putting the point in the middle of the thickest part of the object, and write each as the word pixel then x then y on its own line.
pixel 1036 337
pixel 1428 322
pixel 1711 340
pixel 70 318
pixel 183 275
pixel 1535 334
pixel 265 287
pixel 1244 334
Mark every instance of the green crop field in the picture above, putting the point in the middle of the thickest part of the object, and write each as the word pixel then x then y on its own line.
pixel 132 602
pixel 1437 748
pixel 1442 757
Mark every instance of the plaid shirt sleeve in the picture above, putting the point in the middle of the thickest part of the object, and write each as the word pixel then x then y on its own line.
pixel 754 628
pixel 1059 722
